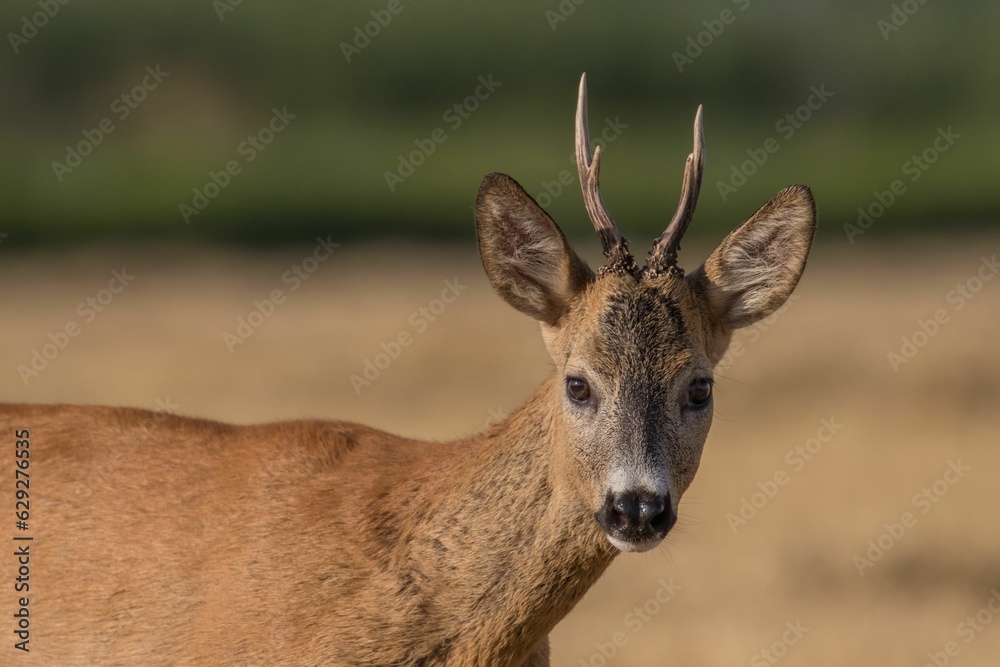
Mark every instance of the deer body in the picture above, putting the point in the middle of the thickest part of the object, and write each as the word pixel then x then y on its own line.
pixel 162 540
pixel 322 542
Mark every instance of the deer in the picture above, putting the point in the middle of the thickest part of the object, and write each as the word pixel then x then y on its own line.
pixel 312 542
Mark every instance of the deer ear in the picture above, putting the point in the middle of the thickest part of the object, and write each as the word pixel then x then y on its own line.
pixel 525 254
pixel 756 267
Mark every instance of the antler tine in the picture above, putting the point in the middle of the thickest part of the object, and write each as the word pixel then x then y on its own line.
pixel 663 256
pixel 614 244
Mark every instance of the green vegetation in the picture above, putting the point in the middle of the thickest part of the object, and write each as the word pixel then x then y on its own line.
pixel 893 86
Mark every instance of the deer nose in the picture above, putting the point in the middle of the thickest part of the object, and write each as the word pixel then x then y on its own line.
pixel 638 514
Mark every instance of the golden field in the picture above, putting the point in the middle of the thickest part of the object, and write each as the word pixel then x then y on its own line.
pixel 739 585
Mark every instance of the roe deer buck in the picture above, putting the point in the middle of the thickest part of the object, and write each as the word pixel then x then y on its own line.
pixel 330 543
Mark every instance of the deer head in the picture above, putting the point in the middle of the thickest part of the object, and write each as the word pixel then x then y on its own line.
pixel 634 348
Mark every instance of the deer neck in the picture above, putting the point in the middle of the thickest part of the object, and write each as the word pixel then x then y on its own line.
pixel 517 546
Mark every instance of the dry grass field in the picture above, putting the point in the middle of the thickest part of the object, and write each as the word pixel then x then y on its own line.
pixel 738 586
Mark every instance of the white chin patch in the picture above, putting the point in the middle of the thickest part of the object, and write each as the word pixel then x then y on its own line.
pixel 633 547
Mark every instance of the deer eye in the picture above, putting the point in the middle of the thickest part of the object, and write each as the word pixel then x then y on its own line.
pixel 578 390
pixel 700 393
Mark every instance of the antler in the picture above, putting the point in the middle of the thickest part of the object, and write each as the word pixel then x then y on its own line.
pixel 615 245
pixel 663 255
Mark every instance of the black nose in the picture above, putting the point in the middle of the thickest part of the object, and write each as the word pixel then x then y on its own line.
pixel 637 515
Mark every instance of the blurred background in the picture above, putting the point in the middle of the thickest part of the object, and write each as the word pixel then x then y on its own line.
pixel 284 188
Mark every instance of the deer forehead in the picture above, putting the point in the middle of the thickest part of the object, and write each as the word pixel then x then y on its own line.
pixel 641 332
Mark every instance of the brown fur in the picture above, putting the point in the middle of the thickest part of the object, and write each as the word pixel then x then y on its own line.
pixel 173 541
